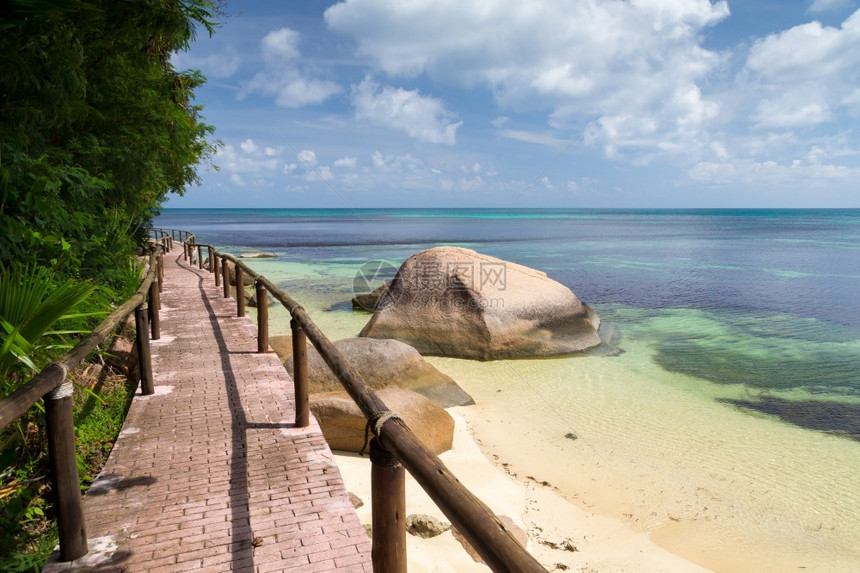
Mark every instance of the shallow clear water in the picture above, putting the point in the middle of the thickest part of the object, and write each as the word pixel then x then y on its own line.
pixel 767 299
pixel 727 386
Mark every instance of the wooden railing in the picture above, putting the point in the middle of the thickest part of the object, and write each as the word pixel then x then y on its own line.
pixel 393 447
pixel 53 386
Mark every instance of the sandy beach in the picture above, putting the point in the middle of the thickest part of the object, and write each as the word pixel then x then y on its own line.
pixel 554 525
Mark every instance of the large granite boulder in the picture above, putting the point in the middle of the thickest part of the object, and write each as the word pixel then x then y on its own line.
pixel 383 364
pixel 343 424
pixel 450 301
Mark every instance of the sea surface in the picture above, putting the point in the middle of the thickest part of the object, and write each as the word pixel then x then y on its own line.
pixel 720 328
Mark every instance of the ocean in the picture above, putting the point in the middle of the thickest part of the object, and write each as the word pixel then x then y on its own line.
pixel 721 414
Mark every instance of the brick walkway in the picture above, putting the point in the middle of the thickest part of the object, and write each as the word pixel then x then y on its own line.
pixel 210 473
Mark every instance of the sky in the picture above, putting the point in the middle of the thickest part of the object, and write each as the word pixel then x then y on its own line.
pixel 545 103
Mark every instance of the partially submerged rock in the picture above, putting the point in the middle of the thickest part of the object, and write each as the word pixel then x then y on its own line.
pixel 370 300
pixel 382 364
pixel 258 255
pixel 451 301
pixel 343 424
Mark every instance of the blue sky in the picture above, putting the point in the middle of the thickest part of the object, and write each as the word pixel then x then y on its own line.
pixel 545 103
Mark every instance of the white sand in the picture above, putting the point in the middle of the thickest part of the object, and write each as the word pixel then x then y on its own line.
pixel 602 543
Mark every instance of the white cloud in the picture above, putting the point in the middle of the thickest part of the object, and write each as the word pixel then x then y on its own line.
pixel 804 76
pixel 346 162
pixel 422 117
pixel 820 6
pixel 237 180
pixel 283 77
pixel 280 46
pixel 220 65
pixel 638 64
pixel 308 157
pixel 250 160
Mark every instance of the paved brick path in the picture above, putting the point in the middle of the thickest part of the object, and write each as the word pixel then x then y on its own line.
pixel 212 461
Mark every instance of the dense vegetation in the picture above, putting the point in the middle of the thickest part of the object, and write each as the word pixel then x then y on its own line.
pixel 96 129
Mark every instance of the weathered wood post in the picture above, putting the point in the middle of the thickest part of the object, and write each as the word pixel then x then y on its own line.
pixel 64 470
pixel 240 291
pixel 262 317
pixel 199 256
pixel 217 266
pixel 144 353
pixel 185 248
pixel 154 315
pixel 159 260
pixel 211 263
pixel 225 275
pixel 388 514
pixel 300 374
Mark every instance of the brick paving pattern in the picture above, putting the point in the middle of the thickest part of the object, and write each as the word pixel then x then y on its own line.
pixel 209 473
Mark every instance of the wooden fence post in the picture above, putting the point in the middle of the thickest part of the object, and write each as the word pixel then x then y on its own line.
pixel 144 353
pixel 217 266
pixel 154 315
pixel 199 256
pixel 185 251
pixel 159 260
pixel 225 276
pixel 64 470
pixel 300 374
pixel 388 514
pixel 262 317
pixel 240 291
pixel 211 263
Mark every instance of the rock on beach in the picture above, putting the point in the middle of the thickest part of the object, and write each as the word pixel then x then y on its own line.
pixel 383 364
pixel 451 301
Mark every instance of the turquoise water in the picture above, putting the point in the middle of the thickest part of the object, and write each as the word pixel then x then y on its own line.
pixel 721 414
pixel 765 299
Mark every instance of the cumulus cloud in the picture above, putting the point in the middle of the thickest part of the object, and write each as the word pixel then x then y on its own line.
pixel 422 117
pixel 283 76
pixel 637 64
pixel 804 76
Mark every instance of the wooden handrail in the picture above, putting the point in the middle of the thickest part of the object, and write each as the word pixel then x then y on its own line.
pixel 52 385
pixel 491 539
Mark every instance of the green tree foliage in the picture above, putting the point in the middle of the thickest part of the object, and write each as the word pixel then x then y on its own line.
pixel 96 127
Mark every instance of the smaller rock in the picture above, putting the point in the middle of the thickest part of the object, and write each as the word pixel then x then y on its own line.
pixel 571 436
pixel 343 424
pixel 246 278
pixel 355 500
pixel 252 302
pixel 369 300
pixel 282 344
pixel 425 526
pixel 368 529
pixel 258 255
